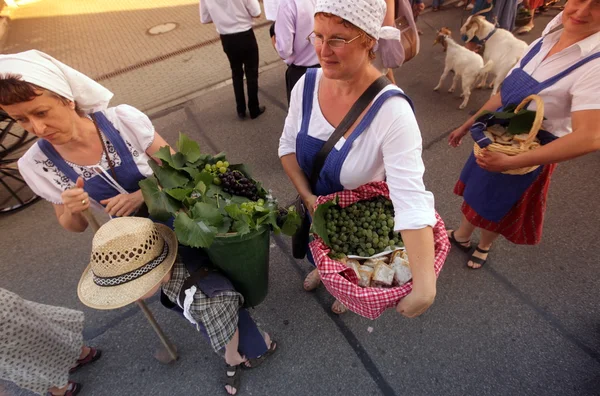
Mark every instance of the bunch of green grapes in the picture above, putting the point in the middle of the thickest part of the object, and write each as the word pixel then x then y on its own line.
pixel 219 168
pixel 249 207
pixel 364 228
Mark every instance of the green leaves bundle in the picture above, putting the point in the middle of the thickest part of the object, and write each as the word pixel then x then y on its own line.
pixel 207 196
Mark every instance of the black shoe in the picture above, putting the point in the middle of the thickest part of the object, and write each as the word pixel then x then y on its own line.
pixel 261 109
pixel 242 116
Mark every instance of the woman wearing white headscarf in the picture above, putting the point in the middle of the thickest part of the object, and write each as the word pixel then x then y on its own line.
pixel 83 143
pixel 384 144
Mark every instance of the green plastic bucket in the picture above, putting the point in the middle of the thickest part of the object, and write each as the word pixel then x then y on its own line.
pixel 245 261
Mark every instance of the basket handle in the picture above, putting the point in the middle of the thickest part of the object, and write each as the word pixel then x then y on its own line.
pixel 539 116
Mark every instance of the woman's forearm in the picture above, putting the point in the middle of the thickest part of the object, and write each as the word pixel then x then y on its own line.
pixel 296 175
pixel 563 149
pixel 421 255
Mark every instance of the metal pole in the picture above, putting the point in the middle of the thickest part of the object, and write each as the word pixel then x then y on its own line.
pixel 93 222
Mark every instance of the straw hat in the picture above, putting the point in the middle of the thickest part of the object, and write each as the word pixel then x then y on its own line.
pixel 130 256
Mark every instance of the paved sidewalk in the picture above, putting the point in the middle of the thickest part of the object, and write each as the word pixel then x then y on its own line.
pixel 109 41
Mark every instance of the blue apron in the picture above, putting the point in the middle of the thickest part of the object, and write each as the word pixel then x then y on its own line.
pixel 492 195
pixel 307 147
pixel 127 174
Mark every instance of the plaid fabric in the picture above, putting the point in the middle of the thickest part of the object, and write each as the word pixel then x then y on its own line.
pixel 342 282
pixel 219 314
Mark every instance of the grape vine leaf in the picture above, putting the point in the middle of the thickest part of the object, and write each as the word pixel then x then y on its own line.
pixel 207 213
pixel 164 154
pixel 160 205
pixel 245 169
pixel 521 122
pixel 204 177
pixel 179 193
pixel 224 228
pixel 241 227
pixel 292 222
pixel 167 176
pixel 319 223
pixel 193 233
pixel 188 148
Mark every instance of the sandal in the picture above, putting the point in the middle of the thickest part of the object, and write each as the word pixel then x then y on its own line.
pixel 233 380
pixel 72 390
pixel 459 244
pixel 524 29
pixel 312 280
pixel 338 308
pixel 254 363
pixel 93 355
pixel 477 260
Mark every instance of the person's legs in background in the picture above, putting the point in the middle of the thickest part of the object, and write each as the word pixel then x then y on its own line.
pixel 251 70
pixel 233 47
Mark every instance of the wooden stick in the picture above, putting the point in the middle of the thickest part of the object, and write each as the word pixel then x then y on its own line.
pixel 93 222
pixel 157 329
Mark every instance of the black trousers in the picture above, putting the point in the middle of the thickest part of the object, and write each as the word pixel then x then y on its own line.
pixel 242 51
pixel 292 75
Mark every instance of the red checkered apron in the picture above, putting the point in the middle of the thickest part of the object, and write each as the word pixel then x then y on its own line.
pixel 342 282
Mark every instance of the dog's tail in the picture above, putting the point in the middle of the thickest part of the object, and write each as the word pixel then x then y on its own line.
pixel 486 68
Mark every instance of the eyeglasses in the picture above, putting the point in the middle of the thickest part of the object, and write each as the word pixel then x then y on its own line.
pixel 332 43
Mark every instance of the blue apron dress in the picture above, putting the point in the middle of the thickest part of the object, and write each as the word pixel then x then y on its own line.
pixel 492 195
pixel 307 147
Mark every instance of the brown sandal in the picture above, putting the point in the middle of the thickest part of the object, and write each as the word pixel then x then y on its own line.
pixel 233 380
pixel 338 308
pixel 254 363
pixel 312 280
pixel 93 355
pixel 72 390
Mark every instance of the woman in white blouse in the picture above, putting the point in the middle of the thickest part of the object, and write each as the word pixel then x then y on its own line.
pixel 384 144
pixel 82 145
pixel 563 68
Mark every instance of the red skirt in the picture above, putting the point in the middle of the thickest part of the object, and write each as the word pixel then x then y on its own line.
pixel 523 224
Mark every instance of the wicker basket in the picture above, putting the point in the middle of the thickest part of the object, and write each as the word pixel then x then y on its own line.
pixel 525 146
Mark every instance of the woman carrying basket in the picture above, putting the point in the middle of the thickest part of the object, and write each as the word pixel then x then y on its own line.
pixel 90 153
pixel 563 68
pixel 384 144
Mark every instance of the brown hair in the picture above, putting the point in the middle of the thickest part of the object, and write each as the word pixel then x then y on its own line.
pixel 366 39
pixel 14 90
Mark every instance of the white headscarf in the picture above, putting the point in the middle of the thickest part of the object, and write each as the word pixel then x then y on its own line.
pixel 365 14
pixel 41 69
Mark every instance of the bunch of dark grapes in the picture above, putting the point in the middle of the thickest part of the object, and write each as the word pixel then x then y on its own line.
pixel 236 183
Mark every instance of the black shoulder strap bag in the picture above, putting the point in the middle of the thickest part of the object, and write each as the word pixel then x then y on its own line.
pixel 300 238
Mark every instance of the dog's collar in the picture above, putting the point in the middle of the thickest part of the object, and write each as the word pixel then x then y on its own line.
pixel 489 36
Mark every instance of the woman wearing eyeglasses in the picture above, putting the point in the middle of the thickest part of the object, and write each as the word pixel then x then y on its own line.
pixel 383 144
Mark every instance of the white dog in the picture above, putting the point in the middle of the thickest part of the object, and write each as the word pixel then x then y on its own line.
pixel 466 64
pixel 501 47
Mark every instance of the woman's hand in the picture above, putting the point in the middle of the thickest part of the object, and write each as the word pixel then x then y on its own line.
pixel 75 200
pixel 309 202
pixel 123 204
pixel 418 300
pixel 456 136
pixel 495 162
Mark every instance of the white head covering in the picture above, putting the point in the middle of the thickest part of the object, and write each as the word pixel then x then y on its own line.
pixel 41 69
pixel 366 14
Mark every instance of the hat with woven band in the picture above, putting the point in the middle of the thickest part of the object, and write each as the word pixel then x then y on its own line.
pixel 130 256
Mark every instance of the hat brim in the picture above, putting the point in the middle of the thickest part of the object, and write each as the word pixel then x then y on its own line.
pixel 113 297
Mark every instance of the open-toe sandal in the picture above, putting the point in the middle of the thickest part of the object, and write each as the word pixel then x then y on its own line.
pixel 91 357
pixel 477 260
pixel 338 308
pixel 254 363
pixel 72 390
pixel 460 244
pixel 312 280
pixel 234 380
